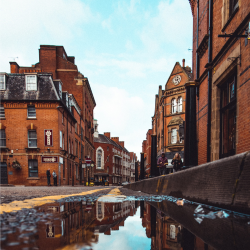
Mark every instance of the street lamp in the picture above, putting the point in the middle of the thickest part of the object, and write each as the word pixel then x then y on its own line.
pixel 84 166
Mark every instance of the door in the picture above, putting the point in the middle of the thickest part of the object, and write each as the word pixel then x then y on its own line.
pixel 4 173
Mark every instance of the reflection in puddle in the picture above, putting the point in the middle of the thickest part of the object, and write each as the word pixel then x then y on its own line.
pixel 129 224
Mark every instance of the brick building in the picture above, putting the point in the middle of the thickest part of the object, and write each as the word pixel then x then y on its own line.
pixel 37 125
pixel 112 159
pixel 146 149
pixel 170 112
pixel 54 60
pixel 133 160
pixel 221 70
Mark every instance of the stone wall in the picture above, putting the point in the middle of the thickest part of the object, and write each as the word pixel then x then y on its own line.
pixel 224 183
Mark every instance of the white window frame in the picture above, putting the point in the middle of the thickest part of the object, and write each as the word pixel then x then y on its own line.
pixel 32 138
pixel 2 111
pixel 60 90
pixel 31 86
pixel 99 158
pixel 31 111
pixel 3 82
pixel 61 141
pixel 173 106
pixel 174 136
pixel 179 104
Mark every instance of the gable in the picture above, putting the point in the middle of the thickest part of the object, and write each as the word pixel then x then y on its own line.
pixel 177 78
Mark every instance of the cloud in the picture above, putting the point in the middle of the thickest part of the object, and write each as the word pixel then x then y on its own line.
pixel 106 24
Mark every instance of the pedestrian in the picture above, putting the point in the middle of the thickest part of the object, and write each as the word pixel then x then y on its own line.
pixel 54 178
pixel 48 177
pixel 162 163
pixel 177 162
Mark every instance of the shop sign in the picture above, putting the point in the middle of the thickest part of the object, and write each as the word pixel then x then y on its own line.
pixel 53 209
pixel 49 159
pixel 48 137
pixel 50 231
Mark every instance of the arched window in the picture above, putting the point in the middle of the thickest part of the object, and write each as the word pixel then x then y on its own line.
pixel 99 158
pixel 174 106
pixel 180 104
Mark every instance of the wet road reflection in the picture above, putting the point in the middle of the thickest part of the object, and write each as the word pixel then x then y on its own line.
pixel 86 223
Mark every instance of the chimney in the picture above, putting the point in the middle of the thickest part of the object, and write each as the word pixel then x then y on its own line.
pixel 121 143
pixel 183 63
pixel 115 139
pixel 107 134
pixel 14 67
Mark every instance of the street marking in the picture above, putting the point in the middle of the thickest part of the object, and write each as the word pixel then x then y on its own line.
pixel 30 203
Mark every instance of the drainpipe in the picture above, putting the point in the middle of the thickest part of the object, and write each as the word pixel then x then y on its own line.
pixel 210 30
pixel 68 148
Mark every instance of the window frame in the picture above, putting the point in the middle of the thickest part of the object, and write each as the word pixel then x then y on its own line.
pixel 99 159
pixel 2 132
pixel 4 82
pixel 172 135
pixel 26 82
pixel 34 161
pixel 174 106
pixel 31 117
pixel 2 112
pixel 179 104
pixel 61 141
pixel 32 130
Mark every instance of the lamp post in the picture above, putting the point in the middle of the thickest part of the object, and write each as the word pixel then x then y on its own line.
pixel 84 166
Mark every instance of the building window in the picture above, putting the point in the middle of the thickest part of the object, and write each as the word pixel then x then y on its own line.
pixel 62 118
pixel 2 138
pixel 72 147
pixel 76 152
pixel 63 170
pixel 228 117
pixel 233 5
pixel 107 148
pixel 69 146
pixel 75 127
pixel 2 112
pixel 174 136
pixel 108 158
pixel 61 139
pixel 2 82
pixel 31 82
pixel 33 168
pixel 32 138
pixel 180 104
pixel 99 158
pixel 31 112
pixel 174 106
pixel 60 90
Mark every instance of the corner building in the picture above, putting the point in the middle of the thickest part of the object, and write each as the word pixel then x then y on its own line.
pixel 54 59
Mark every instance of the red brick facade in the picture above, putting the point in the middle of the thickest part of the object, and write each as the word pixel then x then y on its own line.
pixel 229 67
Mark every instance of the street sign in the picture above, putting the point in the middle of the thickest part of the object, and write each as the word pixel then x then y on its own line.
pixel 88 160
pixel 49 159
pixel 50 231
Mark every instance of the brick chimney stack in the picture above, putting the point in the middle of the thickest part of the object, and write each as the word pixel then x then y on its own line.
pixel 14 67
pixel 115 139
pixel 183 63
pixel 107 134
pixel 121 143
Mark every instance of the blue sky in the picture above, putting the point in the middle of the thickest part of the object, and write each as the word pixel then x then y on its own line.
pixel 126 49
pixel 130 237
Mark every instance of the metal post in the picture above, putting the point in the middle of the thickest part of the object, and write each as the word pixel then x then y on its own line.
pixel 153 169
pixel 190 146
pixel 136 171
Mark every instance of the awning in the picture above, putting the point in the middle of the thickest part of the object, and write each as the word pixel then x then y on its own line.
pixel 118 156
pixel 102 174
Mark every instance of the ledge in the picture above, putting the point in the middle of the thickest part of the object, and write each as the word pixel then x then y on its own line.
pixel 33 178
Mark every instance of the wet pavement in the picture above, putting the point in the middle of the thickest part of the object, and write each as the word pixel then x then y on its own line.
pixel 124 219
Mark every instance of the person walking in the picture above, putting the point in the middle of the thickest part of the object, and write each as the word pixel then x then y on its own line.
pixel 162 162
pixel 54 178
pixel 177 162
pixel 48 177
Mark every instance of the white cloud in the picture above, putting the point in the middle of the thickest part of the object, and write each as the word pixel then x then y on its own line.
pixel 106 24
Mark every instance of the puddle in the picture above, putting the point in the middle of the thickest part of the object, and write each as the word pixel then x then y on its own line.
pixel 155 222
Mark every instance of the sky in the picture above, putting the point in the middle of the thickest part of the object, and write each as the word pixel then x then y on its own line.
pixel 131 236
pixel 126 48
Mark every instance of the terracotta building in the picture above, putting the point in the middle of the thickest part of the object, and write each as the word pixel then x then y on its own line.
pixel 170 112
pixel 221 69
pixel 112 159
pixel 39 127
pixel 146 149
pixel 54 60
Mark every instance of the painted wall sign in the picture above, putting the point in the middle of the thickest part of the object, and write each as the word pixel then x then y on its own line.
pixel 48 137
pixel 49 159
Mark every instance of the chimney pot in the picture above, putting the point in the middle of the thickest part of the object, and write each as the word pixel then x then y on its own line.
pixel 183 63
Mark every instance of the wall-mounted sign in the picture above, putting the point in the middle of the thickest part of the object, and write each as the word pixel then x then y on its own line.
pixel 48 137
pixel 50 231
pixel 49 159
pixel 53 209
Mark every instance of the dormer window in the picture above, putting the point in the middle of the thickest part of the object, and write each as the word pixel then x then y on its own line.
pixel 60 90
pixel 2 82
pixel 31 82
